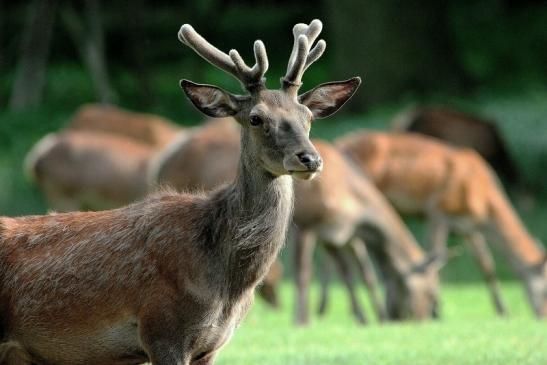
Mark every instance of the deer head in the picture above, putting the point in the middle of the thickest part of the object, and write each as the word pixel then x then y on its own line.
pixel 275 123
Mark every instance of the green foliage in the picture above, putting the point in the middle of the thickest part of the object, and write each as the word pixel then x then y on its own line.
pixel 468 333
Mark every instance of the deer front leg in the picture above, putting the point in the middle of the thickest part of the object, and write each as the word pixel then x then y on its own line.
pixel 345 273
pixel 362 258
pixel 304 247
pixel 483 256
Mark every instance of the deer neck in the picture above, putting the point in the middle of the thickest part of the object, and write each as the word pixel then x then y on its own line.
pixel 256 211
pixel 512 236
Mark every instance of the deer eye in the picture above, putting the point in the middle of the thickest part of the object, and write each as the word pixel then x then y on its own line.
pixel 255 120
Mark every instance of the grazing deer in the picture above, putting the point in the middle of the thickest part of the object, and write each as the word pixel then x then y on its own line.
pixel 457 191
pixel 169 278
pixel 99 161
pixel 461 130
pixel 87 170
pixel 145 128
pixel 344 210
pixel 333 206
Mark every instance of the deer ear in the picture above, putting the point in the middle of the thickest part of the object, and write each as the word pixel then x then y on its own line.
pixel 325 99
pixel 211 100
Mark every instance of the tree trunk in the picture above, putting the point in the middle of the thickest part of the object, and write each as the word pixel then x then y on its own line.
pixel 89 40
pixel 31 68
pixel 396 46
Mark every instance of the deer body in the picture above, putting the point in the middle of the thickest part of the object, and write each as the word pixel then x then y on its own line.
pixel 145 128
pixel 457 192
pixel 169 278
pixel 462 130
pixel 80 170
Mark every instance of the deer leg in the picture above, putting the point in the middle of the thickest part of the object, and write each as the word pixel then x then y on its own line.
pixel 304 247
pixel 325 269
pixel 362 258
pixel 483 256
pixel 437 234
pixel 343 267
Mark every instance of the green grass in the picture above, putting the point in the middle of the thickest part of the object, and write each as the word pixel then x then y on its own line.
pixel 468 333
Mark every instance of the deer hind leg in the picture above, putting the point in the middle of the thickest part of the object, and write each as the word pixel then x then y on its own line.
pixel 344 269
pixel 366 269
pixel 12 353
pixel 304 247
pixel 437 234
pixel 325 271
pixel 483 256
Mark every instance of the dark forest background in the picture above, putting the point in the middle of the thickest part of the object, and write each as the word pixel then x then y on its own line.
pixel 68 52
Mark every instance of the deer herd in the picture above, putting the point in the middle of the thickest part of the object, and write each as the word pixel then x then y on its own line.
pixel 161 234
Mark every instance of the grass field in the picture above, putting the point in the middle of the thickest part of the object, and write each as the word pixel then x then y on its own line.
pixel 468 333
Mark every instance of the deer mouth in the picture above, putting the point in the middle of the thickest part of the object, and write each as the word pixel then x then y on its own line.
pixel 304 174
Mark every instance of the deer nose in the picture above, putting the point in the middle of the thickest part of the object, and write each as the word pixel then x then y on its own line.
pixel 311 160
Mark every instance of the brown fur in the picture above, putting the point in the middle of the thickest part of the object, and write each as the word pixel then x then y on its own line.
pixel 463 130
pixel 146 128
pixel 80 170
pixel 457 191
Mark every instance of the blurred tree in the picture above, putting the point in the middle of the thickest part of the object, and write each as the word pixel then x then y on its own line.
pixel 395 46
pixel 2 36
pixel 29 80
pixel 88 38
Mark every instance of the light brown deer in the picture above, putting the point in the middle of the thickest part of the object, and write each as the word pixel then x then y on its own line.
pixel 168 279
pixel 458 192
pixel 99 160
pixel 332 207
pixel 86 170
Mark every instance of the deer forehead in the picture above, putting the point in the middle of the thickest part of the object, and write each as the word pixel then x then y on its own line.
pixel 276 104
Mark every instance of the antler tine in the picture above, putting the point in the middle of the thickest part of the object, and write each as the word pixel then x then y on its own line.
pixel 301 56
pixel 231 62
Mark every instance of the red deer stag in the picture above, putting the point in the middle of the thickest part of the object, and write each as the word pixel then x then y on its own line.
pixel 332 207
pixel 89 170
pixel 457 191
pixel 169 278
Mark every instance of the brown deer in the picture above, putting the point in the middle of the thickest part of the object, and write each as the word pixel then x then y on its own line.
pixel 169 278
pixel 332 207
pixel 86 170
pixel 458 192
pixel 99 160
pixel 344 211
pixel 462 130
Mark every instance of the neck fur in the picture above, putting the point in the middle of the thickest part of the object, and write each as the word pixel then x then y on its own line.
pixel 523 250
pixel 253 217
